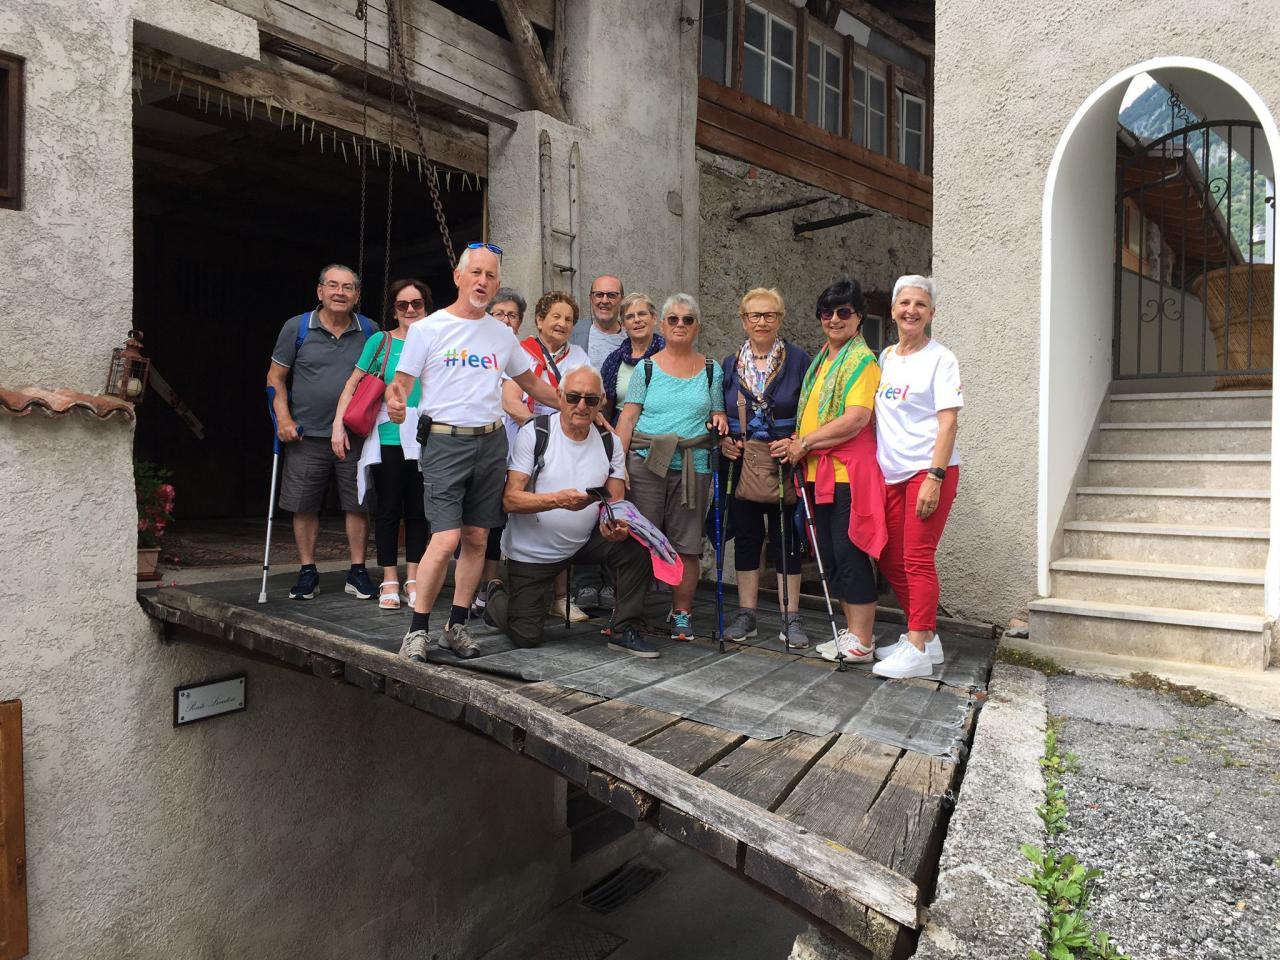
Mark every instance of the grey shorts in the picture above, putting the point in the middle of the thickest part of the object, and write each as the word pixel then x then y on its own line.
pixel 463 479
pixel 658 498
pixel 309 462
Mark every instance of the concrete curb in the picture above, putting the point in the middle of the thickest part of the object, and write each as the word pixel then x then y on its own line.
pixel 980 909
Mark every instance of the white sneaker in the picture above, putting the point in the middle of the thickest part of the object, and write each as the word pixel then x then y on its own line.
pixel 576 614
pixel 905 662
pixel 933 648
pixel 851 647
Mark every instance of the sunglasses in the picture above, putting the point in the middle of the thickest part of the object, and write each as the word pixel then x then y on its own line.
pixel 480 245
pixel 678 321
pixel 844 313
pixel 404 306
pixel 592 399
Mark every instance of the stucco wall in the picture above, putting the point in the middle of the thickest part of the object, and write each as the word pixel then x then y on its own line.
pixel 322 822
pixel 995 131
pixel 764 251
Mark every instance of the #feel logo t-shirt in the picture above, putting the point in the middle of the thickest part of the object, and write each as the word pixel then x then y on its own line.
pixel 912 390
pixel 460 364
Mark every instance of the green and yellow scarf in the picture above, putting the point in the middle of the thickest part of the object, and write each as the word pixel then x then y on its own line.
pixel 846 369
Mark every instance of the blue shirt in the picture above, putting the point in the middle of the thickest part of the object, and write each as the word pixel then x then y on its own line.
pixel 679 405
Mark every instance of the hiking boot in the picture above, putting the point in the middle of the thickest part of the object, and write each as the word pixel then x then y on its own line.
pixel 607 599
pixel 634 644
pixel 851 647
pixel 741 627
pixel 589 598
pixel 358 582
pixel 458 639
pixel 308 584
pixel 576 614
pixel 793 634
pixel 414 646
pixel 933 648
pixel 681 625
pixel 904 662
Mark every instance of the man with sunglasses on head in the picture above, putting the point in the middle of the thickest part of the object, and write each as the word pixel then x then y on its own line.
pixel 604 334
pixel 310 364
pixel 554 488
pixel 460 355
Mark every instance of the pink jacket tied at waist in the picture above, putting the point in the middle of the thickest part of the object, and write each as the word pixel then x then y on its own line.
pixel 868 530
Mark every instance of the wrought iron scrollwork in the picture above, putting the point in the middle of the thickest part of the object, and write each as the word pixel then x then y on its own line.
pixel 1161 309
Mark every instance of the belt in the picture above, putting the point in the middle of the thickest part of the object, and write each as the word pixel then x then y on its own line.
pixel 466 431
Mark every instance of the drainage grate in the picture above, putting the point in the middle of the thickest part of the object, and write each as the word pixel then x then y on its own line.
pixel 619 886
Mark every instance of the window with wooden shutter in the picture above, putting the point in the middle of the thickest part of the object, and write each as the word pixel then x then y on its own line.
pixel 13 886
pixel 10 132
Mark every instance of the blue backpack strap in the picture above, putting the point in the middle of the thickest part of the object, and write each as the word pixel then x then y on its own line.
pixel 304 327
pixel 366 325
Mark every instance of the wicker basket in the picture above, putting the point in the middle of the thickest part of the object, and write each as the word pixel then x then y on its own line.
pixel 1247 345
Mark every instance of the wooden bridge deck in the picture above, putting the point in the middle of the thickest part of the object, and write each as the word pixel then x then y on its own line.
pixel 843 827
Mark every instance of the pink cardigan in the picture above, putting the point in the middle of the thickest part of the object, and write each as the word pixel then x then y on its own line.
pixel 868 530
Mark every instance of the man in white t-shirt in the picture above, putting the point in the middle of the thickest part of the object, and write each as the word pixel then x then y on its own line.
pixel 460 354
pixel 553 502
pixel 604 334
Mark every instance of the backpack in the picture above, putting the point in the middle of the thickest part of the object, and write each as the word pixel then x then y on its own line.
pixel 648 373
pixel 542 436
pixel 304 327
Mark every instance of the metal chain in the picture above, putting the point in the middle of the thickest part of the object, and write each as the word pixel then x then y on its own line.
pixel 433 178
pixel 386 257
pixel 362 13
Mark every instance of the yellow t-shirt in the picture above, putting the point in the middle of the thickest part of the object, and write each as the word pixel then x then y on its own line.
pixel 861 393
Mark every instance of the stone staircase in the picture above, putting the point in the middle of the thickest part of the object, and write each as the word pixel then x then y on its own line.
pixel 1165 555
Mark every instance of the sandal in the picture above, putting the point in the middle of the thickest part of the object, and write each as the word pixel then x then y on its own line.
pixel 389 601
pixel 411 595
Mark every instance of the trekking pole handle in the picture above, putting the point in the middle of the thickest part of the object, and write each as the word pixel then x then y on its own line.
pixel 275 427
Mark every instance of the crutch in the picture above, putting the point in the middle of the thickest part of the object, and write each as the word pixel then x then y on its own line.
pixel 715 508
pixel 782 552
pixel 271 504
pixel 822 573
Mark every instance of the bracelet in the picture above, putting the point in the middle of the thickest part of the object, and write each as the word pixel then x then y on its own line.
pixel 804 443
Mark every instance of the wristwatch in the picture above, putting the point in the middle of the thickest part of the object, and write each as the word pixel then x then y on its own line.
pixel 938 473
pixel 804 443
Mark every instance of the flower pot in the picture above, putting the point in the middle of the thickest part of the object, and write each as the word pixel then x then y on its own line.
pixel 148 563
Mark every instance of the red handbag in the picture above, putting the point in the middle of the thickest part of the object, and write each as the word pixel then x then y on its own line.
pixel 362 412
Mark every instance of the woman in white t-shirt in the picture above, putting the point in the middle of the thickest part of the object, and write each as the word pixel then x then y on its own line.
pixel 916 419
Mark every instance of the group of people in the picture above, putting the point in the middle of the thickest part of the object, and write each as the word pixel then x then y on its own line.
pixel 488 446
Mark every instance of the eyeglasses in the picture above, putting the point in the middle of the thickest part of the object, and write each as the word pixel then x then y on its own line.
pixel 678 321
pixel 504 315
pixel 844 313
pixel 605 295
pixel 404 306
pixel 638 315
pixel 591 399
pixel 763 316
pixel 335 285
pixel 481 245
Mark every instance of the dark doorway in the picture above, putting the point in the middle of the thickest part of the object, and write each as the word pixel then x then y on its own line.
pixel 234 217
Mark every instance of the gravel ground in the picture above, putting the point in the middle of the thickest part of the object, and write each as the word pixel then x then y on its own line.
pixel 1180 806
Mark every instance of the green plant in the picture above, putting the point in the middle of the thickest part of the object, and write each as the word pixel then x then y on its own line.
pixel 1021 658
pixel 155 501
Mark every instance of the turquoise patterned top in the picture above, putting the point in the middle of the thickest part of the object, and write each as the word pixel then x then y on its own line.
pixel 677 405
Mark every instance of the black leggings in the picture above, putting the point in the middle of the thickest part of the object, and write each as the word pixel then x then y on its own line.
pixel 398 486
pixel 850 576
pixel 749 519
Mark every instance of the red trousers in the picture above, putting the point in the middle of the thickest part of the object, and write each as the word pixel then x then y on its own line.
pixel 908 557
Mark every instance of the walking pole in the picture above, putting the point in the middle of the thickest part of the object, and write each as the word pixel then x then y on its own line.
pixel 715 508
pixel 568 581
pixel 271 504
pixel 782 553
pixel 822 573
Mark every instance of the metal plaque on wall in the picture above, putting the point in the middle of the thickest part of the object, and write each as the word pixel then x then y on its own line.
pixel 213 698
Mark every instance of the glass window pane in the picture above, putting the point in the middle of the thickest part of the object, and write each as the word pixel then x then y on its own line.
pixel 753 73
pixel 781 94
pixel 813 103
pixel 834 73
pixel 875 132
pixel 814 67
pixel 913 144
pixel 859 121
pixel 715 40
pixel 859 85
pixel 913 114
pixel 783 45
pixel 831 115
pixel 875 93
pixel 755 28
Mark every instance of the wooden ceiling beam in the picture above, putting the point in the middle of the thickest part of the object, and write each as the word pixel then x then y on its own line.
pixel 890 26
pixel 532 62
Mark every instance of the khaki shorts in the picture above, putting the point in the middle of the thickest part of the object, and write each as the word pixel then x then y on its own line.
pixel 658 498
pixel 309 462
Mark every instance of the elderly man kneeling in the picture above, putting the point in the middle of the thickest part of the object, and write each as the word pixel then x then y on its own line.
pixel 553 520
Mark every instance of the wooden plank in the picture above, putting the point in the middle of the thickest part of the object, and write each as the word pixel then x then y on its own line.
pixel 691 746
pixel 797 127
pixel 364 679
pixel 13 883
pixel 325 668
pixel 718 141
pixel 902 827
pixel 544 13
pixel 508 734
pixel 736 44
pixel 564 699
pixel 847 878
pixel 627 722
pixel 424 700
pixel 623 797
pixel 803 149
pixel 892 28
pixel 532 63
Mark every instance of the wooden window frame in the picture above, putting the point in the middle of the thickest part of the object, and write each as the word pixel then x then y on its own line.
pixel 772 17
pixel 11 121
pixel 903 97
pixel 824 83
pixel 13 882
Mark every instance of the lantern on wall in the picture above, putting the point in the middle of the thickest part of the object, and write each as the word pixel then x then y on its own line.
pixel 127 378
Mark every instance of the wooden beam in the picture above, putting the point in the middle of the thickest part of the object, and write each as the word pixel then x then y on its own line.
pixel 543 13
pixel 532 62
pixel 892 28
pixel 736 42
pixel 802 65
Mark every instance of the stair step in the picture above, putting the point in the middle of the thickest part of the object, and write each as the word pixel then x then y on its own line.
pixel 1174 505
pixel 1174 585
pixel 1207 436
pixel 1172 571
pixel 1193 395
pixel 1215 546
pixel 1249 471
pixel 1200 405
pixel 1224 639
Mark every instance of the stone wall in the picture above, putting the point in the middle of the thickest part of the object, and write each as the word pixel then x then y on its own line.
pixel 995 132
pixel 764 251
pixel 323 822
